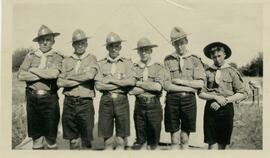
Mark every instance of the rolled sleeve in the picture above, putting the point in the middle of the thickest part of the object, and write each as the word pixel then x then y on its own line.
pixel 130 70
pixel 98 76
pixel 238 84
pixel 167 76
pixel 26 63
pixel 199 72
pixel 160 78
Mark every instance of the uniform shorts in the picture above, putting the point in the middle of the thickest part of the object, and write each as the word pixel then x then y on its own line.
pixel 114 111
pixel 78 118
pixel 42 115
pixel 147 120
pixel 180 112
pixel 218 125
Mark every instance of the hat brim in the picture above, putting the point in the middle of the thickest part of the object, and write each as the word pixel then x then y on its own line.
pixel 88 37
pixel 114 42
pixel 54 34
pixel 178 38
pixel 207 50
pixel 150 46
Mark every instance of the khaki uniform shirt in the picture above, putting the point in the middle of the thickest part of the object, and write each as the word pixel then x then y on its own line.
pixel 226 83
pixel 156 73
pixel 70 67
pixel 123 70
pixel 189 67
pixel 33 60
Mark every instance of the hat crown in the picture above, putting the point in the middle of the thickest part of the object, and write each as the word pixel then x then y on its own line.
pixel 112 38
pixel 177 33
pixel 143 42
pixel 44 30
pixel 78 35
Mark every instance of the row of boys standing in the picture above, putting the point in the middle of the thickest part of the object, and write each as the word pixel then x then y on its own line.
pixel 183 75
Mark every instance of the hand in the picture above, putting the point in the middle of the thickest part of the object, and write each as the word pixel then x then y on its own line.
pixel 215 106
pixel 138 83
pixel 32 69
pixel 107 79
pixel 177 81
pixel 221 100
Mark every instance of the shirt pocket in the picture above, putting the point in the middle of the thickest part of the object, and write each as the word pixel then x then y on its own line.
pixel 188 72
pixel 151 77
pixel 226 82
pixel 174 70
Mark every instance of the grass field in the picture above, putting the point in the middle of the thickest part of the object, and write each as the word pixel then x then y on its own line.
pixel 247 132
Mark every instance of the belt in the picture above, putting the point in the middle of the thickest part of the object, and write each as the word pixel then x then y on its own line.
pixel 147 100
pixel 183 94
pixel 39 92
pixel 113 95
pixel 77 99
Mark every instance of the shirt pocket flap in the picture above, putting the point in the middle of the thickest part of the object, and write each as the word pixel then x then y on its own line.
pixel 174 68
pixel 227 79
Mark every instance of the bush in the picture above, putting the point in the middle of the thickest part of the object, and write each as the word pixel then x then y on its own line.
pixel 18 57
pixel 255 67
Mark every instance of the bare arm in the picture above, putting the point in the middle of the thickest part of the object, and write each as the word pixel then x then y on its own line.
pixel 136 91
pixel 123 82
pixel 45 73
pixel 190 83
pixel 84 76
pixel 207 96
pixel 169 87
pixel 61 82
pixel 27 76
pixel 236 97
pixel 149 86
pixel 105 86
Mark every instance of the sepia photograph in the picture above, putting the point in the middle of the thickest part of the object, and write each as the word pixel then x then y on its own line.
pixel 155 75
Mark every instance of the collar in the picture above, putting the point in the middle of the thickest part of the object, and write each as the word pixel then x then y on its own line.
pixel 176 55
pixel 108 58
pixel 39 53
pixel 143 65
pixel 225 65
pixel 75 56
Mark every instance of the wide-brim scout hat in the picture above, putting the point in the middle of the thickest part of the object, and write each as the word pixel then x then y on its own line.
pixel 44 31
pixel 177 33
pixel 79 35
pixel 113 38
pixel 143 43
pixel 210 48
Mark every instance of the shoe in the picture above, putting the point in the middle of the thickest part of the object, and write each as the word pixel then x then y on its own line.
pixel 52 147
pixel 137 146
pixel 38 143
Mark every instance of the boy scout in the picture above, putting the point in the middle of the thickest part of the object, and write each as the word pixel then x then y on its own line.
pixel 185 76
pixel 223 87
pixel 40 70
pixel 77 78
pixel 148 111
pixel 115 79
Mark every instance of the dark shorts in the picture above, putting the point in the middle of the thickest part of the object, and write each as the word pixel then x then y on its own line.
pixel 218 125
pixel 114 111
pixel 78 119
pixel 180 112
pixel 147 120
pixel 42 115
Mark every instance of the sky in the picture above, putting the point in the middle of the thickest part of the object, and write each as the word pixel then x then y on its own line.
pixel 237 24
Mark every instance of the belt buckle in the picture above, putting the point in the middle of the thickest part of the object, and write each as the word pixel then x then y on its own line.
pixel 77 99
pixel 41 92
pixel 114 95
